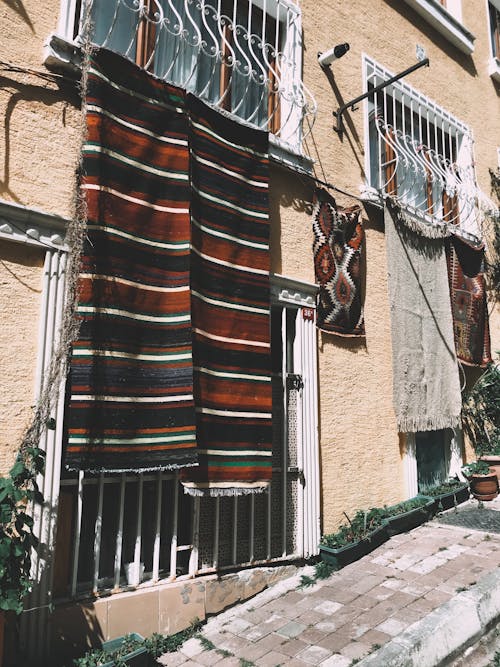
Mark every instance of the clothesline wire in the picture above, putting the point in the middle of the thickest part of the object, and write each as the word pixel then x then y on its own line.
pixel 319 181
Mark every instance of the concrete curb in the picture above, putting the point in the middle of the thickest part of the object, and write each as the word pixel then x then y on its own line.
pixel 446 632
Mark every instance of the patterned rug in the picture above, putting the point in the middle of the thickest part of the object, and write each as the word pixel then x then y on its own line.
pixel 468 302
pixel 338 244
pixel 230 305
pixel 131 392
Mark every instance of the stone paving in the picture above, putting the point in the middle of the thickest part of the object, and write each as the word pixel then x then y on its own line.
pixel 346 617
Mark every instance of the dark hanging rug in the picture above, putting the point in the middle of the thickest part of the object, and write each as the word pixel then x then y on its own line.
pixel 338 246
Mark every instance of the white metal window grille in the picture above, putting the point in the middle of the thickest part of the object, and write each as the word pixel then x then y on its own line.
pixel 119 530
pixel 243 56
pixel 420 154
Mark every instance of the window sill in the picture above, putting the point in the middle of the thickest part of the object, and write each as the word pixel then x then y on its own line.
pixel 446 24
pixel 59 54
pixel 494 69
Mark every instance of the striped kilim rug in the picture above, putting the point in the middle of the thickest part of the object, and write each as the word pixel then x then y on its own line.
pixel 230 305
pixel 131 392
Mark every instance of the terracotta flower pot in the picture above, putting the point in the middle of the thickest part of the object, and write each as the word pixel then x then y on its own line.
pixel 484 487
pixel 493 460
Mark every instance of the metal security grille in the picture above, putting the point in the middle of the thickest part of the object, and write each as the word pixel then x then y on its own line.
pixel 421 155
pixel 122 530
pixel 243 56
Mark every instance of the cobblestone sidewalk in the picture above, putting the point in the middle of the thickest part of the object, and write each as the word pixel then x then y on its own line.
pixel 358 609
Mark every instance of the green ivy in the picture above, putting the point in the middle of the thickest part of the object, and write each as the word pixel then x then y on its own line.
pixel 18 490
pixel 445 487
pixel 359 527
pixel 406 506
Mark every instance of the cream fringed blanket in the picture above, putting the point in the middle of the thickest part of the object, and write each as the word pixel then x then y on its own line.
pixel 426 381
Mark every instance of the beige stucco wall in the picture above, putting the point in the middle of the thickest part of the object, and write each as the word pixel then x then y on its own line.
pixel 20 289
pixel 361 452
pixel 39 139
pixel 40 119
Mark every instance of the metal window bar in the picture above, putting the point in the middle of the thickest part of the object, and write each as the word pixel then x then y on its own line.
pixel 424 155
pixel 253 48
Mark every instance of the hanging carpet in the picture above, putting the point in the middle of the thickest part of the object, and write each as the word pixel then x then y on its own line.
pixel 425 372
pixel 230 305
pixel 131 389
pixel 337 247
pixel 468 302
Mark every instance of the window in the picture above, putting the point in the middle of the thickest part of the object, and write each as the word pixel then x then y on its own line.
pixel 420 154
pixel 431 457
pixel 445 16
pixel 494 32
pixel 243 56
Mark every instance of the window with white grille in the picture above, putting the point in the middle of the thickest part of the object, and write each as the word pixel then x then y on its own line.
pixel 420 154
pixel 243 56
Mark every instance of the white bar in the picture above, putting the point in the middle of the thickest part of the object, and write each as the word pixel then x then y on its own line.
pixel 78 532
pixel 138 533
pixel 410 466
pixel 119 532
pixel 284 343
pixel 175 520
pixel 98 533
pixel 251 536
pixel 193 558
pixel 298 538
pixel 215 559
pixel 269 523
pixel 157 544
pixel 235 528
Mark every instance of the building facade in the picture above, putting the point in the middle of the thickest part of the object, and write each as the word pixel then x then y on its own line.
pixel 114 542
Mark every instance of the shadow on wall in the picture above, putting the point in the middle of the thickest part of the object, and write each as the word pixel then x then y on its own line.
pixel 424 27
pixel 18 7
pixel 64 91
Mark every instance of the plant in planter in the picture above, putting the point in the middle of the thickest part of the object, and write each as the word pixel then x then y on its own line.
pixel 482 479
pixel 408 514
pixel 448 494
pixel 481 416
pixel 364 532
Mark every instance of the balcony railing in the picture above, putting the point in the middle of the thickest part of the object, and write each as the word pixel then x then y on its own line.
pixel 242 56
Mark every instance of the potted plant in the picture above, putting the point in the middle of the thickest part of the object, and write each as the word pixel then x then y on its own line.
pixel 481 416
pixel 482 479
pixel 354 539
pixel 448 494
pixel 408 514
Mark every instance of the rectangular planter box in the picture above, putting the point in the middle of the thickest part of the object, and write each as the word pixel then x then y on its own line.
pixel 446 501
pixel 402 523
pixel 137 658
pixel 342 556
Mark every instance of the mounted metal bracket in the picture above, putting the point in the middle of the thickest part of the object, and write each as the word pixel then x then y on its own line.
pixel 339 126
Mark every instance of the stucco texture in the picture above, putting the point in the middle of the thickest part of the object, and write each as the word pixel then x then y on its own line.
pixel 41 124
pixel 360 448
pixel 20 289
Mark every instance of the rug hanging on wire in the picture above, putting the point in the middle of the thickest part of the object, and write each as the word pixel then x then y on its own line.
pixel 338 246
pixel 230 305
pixel 131 402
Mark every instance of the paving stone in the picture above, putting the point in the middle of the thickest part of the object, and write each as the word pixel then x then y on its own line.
pixel 392 626
pixel 313 635
pixel 336 660
pixel 209 658
pixel 367 583
pixel 254 652
pixel 334 641
pixel 291 629
pixel 293 646
pixel 192 647
pixel 375 638
pixel 314 655
pixel 428 564
pixel 326 626
pixel 237 625
pixel 377 594
pixel 341 594
pixel 356 650
pixel 172 659
pixel 328 607
pixel 272 659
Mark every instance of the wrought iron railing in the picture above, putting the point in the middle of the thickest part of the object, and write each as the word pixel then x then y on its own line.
pixel 242 56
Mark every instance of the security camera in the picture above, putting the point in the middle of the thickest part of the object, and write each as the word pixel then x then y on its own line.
pixel 329 56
